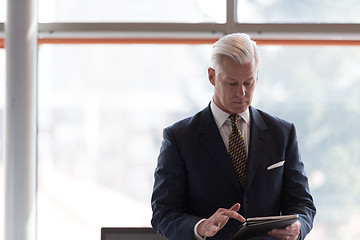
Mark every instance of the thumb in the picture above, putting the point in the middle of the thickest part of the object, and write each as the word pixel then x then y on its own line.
pixel 236 207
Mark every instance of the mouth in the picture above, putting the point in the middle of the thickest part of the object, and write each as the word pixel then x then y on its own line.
pixel 240 102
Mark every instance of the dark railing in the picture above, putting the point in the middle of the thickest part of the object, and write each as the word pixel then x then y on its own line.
pixel 129 234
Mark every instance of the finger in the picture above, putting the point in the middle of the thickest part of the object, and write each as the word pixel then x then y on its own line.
pixel 278 233
pixel 236 207
pixel 218 220
pixel 282 234
pixel 296 225
pixel 293 228
pixel 233 214
pixel 278 236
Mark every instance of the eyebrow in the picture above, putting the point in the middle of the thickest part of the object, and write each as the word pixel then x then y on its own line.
pixel 247 79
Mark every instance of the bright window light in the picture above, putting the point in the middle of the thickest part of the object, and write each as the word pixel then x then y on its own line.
pixel 102 109
pixel 185 11
pixel 284 11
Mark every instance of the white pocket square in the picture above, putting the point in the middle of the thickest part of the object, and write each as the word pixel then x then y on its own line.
pixel 278 164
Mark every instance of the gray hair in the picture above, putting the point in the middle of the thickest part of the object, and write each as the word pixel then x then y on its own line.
pixel 237 46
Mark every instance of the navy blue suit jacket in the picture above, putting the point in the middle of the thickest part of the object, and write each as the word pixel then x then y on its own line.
pixel 194 176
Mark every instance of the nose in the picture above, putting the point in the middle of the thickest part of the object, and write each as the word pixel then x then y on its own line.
pixel 240 91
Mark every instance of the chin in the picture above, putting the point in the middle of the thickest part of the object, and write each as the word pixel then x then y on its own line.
pixel 240 109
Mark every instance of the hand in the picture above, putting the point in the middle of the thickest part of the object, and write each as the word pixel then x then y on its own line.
pixel 218 220
pixel 291 232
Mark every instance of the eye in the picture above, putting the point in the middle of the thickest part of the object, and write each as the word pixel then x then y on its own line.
pixel 248 83
pixel 232 83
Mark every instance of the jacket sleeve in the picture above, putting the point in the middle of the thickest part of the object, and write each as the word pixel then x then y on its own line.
pixel 296 197
pixel 169 199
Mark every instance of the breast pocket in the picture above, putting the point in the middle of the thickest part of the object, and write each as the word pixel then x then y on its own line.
pixel 276 165
pixel 274 175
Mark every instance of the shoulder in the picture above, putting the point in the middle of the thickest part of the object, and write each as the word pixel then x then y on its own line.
pixel 272 125
pixel 268 119
pixel 192 123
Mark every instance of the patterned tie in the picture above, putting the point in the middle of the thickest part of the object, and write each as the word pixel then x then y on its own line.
pixel 237 151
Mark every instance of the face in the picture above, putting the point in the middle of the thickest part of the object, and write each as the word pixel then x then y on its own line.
pixel 234 85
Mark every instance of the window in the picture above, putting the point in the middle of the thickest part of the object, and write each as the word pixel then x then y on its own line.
pixel 317 89
pixel 94 116
pixel 102 109
pixel 283 11
pixel 185 11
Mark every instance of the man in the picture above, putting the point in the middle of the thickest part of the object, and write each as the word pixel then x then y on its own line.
pixel 230 161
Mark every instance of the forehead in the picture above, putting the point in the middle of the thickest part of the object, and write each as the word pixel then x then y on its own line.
pixel 232 69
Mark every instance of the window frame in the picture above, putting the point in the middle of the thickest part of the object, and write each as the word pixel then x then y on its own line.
pixel 203 33
pixel 187 33
pixel 199 33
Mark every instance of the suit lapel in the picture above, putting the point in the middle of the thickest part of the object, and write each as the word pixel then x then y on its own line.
pixel 257 146
pixel 211 140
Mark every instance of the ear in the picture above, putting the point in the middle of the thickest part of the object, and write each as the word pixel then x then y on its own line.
pixel 257 76
pixel 211 75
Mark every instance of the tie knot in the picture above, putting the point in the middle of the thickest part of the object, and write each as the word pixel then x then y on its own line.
pixel 233 119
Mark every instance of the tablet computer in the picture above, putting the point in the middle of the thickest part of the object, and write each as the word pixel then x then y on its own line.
pixel 260 226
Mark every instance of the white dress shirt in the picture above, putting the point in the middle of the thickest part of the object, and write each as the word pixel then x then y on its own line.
pixel 224 125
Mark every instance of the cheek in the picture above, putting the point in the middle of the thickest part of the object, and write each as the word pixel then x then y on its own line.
pixel 223 92
pixel 249 92
pixel 228 90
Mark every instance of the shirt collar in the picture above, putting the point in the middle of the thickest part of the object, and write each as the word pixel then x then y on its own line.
pixel 220 116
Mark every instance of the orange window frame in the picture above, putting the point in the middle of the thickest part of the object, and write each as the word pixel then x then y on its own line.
pixel 188 41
